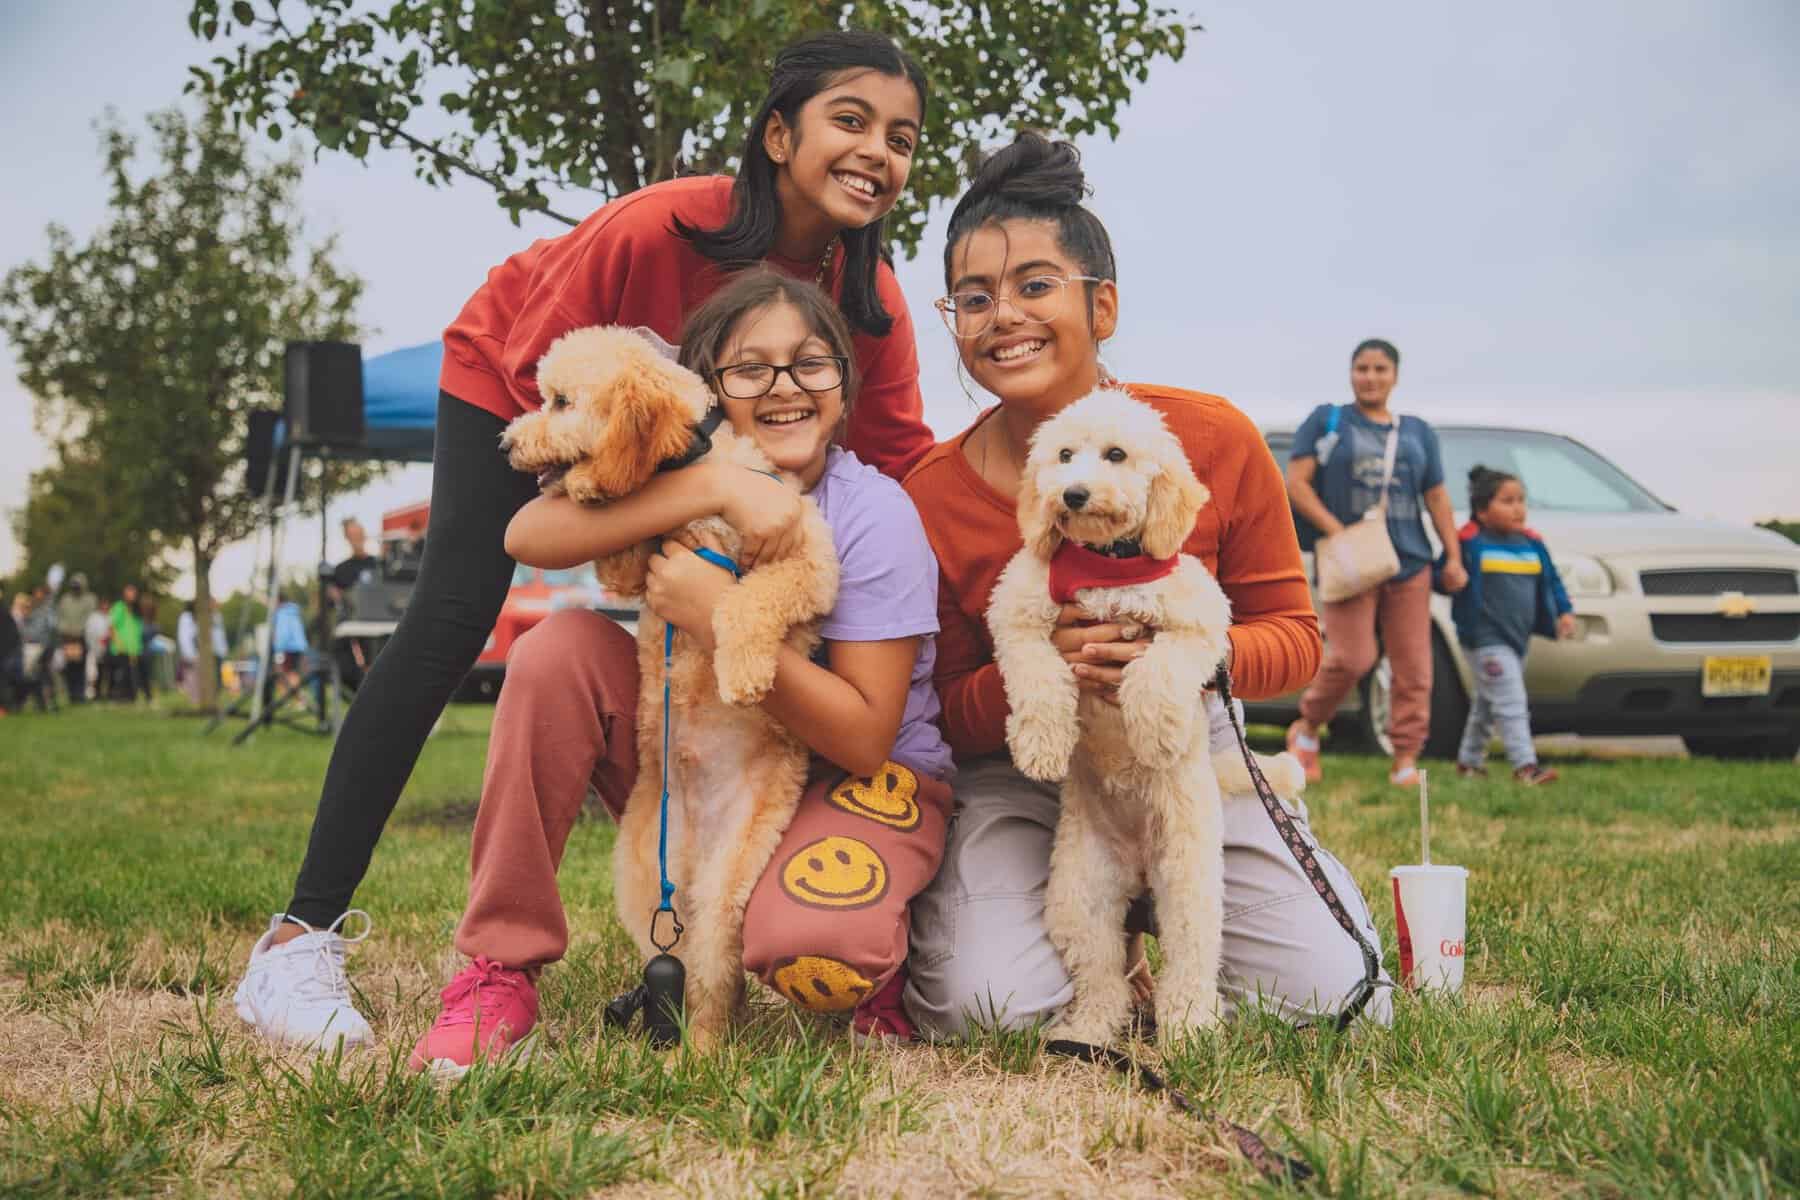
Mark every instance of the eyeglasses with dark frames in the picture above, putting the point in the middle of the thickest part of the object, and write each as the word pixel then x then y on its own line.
pixel 753 380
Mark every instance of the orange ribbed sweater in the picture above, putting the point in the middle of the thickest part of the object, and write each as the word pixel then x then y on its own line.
pixel 1245 536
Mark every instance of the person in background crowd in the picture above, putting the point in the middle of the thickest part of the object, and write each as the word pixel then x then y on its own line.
pixel 12 663
pixel 72 610
pixel 187 653
pixel 145 676
pixel 290 645
pixel 97 638
pixel 127 644
pixel 1334 476
pixel 38 631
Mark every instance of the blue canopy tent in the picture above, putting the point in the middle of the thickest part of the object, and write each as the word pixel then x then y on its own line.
pixel 400 395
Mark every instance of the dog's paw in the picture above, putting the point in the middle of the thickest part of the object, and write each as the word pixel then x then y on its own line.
pixel 1285 775
pixel 1161 729
pixel 744 679
pixel 1041 747
pixel 1181 1016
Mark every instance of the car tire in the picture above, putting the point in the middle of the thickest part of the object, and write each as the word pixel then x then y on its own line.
pixel 1449 706
pixel 1781 747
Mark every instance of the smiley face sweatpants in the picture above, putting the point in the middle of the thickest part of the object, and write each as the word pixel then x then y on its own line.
pixel 828 922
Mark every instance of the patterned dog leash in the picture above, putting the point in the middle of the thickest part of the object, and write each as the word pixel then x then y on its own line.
pixel 1270 1163
pixel 1309 863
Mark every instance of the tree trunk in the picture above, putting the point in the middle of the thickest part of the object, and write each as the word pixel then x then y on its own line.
pixel 204 617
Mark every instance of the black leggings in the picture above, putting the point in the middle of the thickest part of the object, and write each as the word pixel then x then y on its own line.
pixel 463 580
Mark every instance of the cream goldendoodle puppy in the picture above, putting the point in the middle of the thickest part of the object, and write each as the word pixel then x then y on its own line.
pixel 615 412
pixel 1107 500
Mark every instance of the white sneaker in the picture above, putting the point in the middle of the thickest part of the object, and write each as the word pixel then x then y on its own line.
pixel 297 992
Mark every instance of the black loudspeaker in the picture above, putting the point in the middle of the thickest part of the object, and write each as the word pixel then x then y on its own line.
pixel 324 393
pixel 259 454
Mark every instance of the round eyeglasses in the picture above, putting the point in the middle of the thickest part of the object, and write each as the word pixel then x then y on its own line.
pixel 972 313
pixel 753 380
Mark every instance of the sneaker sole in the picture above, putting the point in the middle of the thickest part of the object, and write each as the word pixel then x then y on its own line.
pixel 447 1070
pixel 323 1043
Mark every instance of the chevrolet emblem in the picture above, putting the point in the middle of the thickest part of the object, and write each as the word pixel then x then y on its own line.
pixel 1736 605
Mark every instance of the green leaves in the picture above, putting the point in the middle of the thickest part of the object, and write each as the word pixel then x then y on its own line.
pixel 145 345
pixel 536 97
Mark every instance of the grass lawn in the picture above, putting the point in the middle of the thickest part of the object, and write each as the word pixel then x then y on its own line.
pixel 1630 1026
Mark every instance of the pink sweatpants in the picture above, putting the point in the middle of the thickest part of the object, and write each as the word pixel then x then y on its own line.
pixel 826 924
pixel 1402 610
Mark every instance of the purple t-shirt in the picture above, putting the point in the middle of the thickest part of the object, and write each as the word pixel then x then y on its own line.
pixel 887 588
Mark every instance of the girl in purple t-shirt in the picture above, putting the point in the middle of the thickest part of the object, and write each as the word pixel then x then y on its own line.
pixel 877 803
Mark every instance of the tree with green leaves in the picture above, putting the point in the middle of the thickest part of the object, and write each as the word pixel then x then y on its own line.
pixel 74 516
pixel 531 96
pixel 146 345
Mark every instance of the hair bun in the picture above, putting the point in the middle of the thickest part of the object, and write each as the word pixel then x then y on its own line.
pixel 1478 472
pixel 1033 171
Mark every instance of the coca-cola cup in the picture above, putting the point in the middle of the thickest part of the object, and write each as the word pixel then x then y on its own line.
pixel 1430 912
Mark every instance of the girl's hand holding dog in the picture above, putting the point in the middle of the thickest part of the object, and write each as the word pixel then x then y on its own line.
pixel 765 512
pixel 1098 652
pixel 684 589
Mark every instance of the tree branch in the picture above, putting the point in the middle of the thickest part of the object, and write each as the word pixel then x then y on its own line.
pixel 492 179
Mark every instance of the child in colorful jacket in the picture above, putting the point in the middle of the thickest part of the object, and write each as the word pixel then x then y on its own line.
pixel 1513 592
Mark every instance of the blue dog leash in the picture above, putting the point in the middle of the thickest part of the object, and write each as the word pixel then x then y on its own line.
pixel 667 902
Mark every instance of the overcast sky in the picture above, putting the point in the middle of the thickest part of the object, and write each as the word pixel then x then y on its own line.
pixel 1582 217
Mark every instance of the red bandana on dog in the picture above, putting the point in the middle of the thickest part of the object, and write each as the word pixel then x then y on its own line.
pixel 1074 566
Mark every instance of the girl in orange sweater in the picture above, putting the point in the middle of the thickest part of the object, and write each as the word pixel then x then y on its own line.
pixel 1032 295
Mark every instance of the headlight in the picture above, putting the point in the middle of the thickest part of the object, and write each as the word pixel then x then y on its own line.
pixel 1584 576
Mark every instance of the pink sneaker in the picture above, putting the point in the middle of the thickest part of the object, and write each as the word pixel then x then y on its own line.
pixel 1304 746
pixel 881 1019
pixel 488 1009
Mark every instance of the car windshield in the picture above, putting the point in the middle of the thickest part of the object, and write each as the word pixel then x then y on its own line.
pixel 523 575
pixel 1560 475
pixel 572 577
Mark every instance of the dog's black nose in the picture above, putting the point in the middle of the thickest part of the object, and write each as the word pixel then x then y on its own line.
pixel 1075 497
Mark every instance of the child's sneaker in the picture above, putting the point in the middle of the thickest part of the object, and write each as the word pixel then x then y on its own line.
pixel 1304 746
pixel 488 1010
pixel 881 1020
pixel 1535 774
pixel 297 992
pixel 1465 771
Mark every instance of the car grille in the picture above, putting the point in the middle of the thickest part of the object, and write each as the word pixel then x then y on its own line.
pixel 1749 581
pixel 1707 627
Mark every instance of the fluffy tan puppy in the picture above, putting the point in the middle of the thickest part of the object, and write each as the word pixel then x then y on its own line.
pixel 615 409
pixel 1140 788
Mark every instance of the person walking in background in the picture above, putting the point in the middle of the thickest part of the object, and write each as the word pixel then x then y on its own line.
pixel 1342 456
pixel 1513 592
pixel 73 608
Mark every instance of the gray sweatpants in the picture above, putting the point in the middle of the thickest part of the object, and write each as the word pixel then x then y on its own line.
pixel 1499 701
pixel 980 953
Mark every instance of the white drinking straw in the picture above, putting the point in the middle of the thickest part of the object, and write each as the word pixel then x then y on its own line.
pixel 1424 820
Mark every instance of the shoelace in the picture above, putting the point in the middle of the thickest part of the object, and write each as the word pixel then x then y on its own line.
pixel 483 972
pixel 328 958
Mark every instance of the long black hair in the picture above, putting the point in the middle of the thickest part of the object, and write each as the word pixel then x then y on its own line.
pixel 802 71
pixel 1381 346
pixel 1034 179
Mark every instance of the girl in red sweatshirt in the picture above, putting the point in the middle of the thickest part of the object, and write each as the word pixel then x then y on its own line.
pixel 827 155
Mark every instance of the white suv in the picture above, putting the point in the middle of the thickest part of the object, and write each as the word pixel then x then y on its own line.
pixel 1687 625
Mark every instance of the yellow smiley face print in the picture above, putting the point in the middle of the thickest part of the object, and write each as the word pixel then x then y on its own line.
pixel 889 796
pixel 820 984
pixel 835 872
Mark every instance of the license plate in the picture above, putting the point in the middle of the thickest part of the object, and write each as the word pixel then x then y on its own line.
pixel 1737 675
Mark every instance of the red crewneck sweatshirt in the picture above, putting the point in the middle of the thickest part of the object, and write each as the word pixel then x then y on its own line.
pixel 625 265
